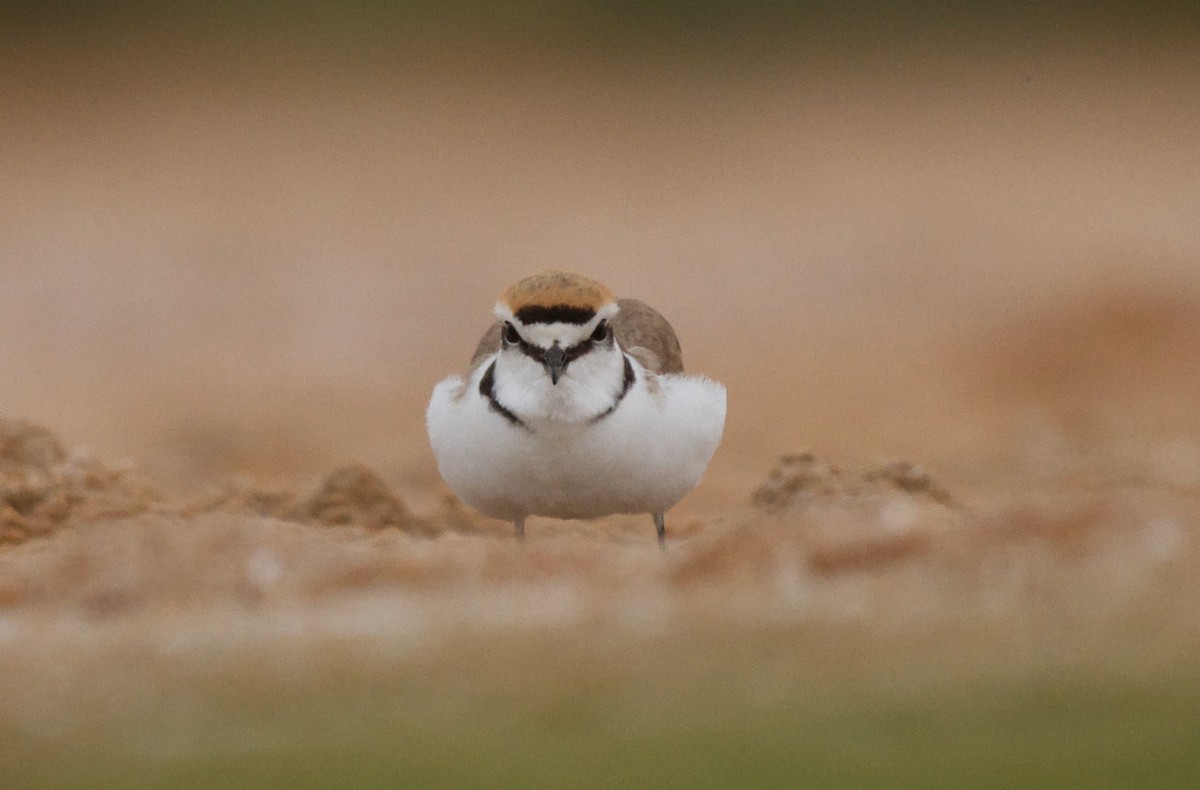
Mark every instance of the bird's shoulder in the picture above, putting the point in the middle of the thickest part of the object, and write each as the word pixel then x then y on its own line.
pixel 488 344
pixel 645 335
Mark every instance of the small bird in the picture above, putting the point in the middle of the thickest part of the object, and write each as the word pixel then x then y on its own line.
pixel 575 406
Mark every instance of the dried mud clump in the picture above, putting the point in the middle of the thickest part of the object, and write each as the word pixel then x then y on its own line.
pixel 355 495
pixel 800 478
pixel 796 477
pixel 847 521
pixel 908 477
pixel 42 487
pixel 352 495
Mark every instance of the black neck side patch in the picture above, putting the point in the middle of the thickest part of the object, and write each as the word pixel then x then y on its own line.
pixel 625 386
pixel 487 388
pixel 559 313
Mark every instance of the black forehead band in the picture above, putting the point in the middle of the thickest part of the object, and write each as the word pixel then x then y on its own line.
pixel 554 314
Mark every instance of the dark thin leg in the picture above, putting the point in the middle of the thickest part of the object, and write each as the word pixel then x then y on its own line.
pixel 660 526
pixel 519 523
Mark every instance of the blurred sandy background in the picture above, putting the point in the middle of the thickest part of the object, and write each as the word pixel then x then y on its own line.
pixel 244 244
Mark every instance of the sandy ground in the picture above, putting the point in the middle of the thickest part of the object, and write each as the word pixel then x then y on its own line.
pixel 953 292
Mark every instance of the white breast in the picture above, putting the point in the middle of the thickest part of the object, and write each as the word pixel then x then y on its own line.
pixel 642 458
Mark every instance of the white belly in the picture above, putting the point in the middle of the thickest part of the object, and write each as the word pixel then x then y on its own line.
pixel 642 458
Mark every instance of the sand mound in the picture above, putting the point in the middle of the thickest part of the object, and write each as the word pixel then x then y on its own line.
pixel 42 487
pixel 801 479
pixel 351 495
pixel 818 516
pixel 849 521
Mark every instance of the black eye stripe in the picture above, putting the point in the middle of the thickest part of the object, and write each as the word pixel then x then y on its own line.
pixel 578 350
pixel 537 353
pixel 530 350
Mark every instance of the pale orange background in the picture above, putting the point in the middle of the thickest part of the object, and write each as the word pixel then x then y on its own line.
pixel 976 252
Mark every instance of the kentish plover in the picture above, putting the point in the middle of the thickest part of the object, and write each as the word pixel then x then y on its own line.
pixel 575 406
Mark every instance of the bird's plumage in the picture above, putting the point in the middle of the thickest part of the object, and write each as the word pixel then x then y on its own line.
pixel 547 290
pixel 645 334
pixel 575 406
pixel 640 329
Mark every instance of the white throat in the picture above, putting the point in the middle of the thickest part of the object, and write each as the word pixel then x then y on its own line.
pixel 589 386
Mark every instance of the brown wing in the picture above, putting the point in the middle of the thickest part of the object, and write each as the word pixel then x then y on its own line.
pixel 647 337
pixel 488 344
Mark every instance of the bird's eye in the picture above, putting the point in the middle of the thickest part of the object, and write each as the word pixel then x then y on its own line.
pixel 602 332
pixel 510 334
